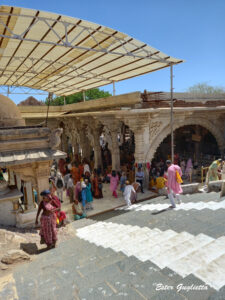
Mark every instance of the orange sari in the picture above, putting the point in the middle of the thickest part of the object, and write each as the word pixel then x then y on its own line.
pixel 75 174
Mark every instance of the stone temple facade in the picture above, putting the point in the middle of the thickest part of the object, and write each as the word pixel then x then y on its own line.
pixel 27 153
pixel 145 115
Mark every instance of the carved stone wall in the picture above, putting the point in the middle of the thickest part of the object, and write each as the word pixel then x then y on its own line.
pixel 164 131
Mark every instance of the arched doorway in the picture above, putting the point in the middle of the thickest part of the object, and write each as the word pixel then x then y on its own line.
pixel 190 141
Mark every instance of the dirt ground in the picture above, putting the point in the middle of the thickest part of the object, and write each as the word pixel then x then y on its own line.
pixel 27 240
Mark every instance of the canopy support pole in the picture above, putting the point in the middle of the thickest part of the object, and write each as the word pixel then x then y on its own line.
pixel 171 113
pixel 114 88
pixel 84 97
pixel 49 99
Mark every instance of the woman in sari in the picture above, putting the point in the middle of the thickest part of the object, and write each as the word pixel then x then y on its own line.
pixel 60 215
pixel 213 172
pixel 97 185
pixel 62 166
pixel 114 180
pixel 188 171
pixel 77 191
pixel 48 230
pixel 89 198
pixel 75 173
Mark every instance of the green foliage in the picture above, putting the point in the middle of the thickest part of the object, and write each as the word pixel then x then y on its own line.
pixel 204 88
pixel 78 97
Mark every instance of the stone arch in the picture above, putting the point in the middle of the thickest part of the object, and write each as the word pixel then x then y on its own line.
pixel 215 131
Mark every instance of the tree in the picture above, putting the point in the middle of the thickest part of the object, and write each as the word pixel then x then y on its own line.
pixel 204 88
pixel 78 97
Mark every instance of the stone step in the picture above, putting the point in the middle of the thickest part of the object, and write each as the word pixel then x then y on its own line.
pixel 161 245
pixel 174 255
pixel 206 251
pixel 153 240
pixel 213 273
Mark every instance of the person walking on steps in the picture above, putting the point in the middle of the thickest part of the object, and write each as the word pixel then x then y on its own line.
pixel 174 183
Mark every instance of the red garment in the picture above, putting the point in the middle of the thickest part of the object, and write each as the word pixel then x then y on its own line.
pixel 48 226
pixel 96 183
pixel 62 166
pixel 81 171
pixel 61 215
pixel 75 174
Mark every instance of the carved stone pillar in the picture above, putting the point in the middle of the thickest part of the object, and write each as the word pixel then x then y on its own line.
pixel 85 145
pixel 93 134
pixel 97 148
pixel 113 125
pixel 140 128
pixel 75 146
pixel 115 150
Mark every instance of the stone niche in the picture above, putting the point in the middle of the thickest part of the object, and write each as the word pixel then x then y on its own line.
pixel 8 206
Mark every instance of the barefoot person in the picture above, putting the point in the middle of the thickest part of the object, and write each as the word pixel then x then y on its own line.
pixel 129 189
pixel 174 183
pixel 48 230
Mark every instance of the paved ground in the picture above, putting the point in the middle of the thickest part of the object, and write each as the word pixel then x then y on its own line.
pixel 146 252
pixel 104 204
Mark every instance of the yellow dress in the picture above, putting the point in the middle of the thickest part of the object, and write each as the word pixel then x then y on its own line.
pixel 160 183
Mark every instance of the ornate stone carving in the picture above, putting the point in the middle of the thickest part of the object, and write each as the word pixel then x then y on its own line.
pixel 107 137
pixel 154 128
pixel 55 140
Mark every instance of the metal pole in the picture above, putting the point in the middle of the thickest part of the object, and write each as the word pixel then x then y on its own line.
pixel 171 113
pixel 114 89
pixel 8 91
pixel 84 98
pixel 49 99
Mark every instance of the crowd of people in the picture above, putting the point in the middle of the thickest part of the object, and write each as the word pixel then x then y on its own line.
pixel 81 184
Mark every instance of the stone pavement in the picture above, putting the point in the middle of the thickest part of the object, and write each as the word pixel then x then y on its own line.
pixel 105 204
pixel 138 253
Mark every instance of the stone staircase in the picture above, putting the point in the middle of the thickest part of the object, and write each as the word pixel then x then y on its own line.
pixel 183 253
pixel 111 260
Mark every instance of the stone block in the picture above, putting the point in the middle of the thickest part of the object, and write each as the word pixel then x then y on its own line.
pixel 215 186
pixel 13 256
pixel 26 219
pixel 190 188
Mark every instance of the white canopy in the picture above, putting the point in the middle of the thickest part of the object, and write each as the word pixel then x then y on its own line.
pixel 65 55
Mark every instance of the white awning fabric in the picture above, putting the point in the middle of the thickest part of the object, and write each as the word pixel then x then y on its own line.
pixel 65 55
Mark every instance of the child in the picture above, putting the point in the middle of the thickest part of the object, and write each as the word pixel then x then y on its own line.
pixel 123 179
pixel 114 179
pixel 89 197
pixel 129 189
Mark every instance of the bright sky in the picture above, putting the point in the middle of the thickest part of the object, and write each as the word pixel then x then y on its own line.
pixel 192 30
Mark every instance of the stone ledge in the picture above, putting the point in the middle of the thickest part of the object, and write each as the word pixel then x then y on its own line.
pixel 190 188
pixel 215 186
